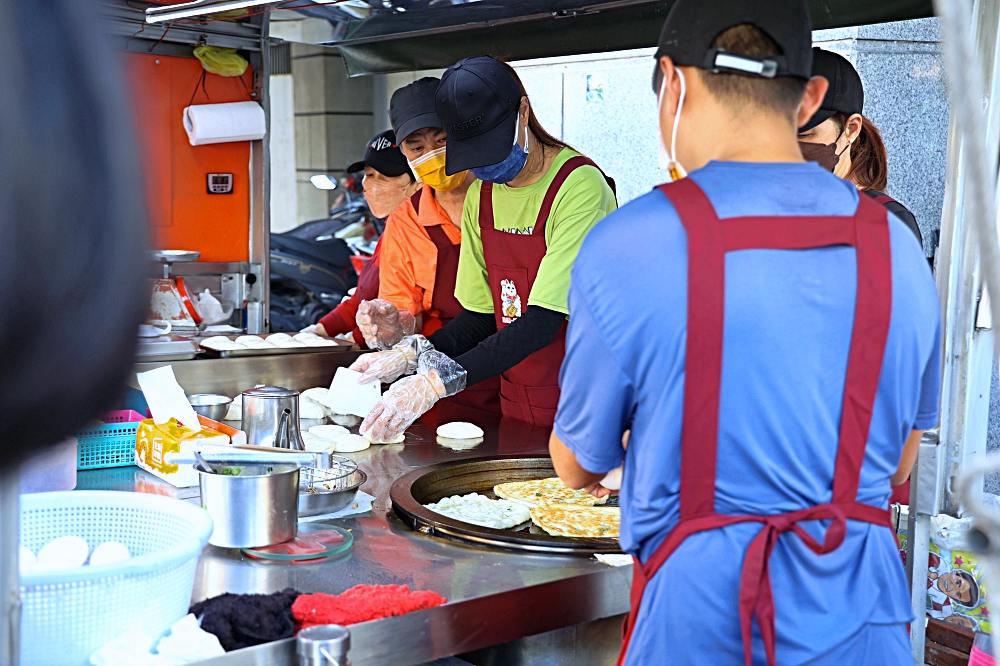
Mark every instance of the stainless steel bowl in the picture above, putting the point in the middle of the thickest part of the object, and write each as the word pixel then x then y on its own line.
pixel 210 405
pixel 252 505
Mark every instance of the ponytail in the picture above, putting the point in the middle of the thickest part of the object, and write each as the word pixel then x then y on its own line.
pixel 869 163
pixel 534 125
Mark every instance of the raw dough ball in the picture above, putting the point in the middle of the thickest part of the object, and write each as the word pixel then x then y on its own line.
pixel 329 431
pixel 460 430
pixel 26 560
pixel 220 343
pixel 311 410
pixel 109 552
pixel 459 444
pixel 276 338
pixel 398 439
pixel 316 444
pixel 253 342
pixel 346 420
pixel 65 552
pixel 351 444
pixel 613 479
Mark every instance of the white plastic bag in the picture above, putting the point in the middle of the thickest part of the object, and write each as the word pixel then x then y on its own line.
pixel 210 308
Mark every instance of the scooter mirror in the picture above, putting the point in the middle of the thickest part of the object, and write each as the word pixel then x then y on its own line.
pixel 321 181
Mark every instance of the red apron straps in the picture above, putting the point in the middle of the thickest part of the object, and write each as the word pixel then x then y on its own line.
pixel 530 390
pixel 708 240
pixel 445 271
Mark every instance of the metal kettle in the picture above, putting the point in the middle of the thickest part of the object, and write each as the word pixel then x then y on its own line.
pixel 271 417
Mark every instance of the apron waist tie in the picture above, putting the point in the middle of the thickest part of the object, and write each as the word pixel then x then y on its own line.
pixel 756 599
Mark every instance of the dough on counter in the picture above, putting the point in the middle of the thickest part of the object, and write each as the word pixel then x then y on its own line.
pixel 311 410
pixel 220 343
pixel 346 420
pixel 329 431
pixel 460 430
pixel 317 444
pixel 459 444
pixel 398 439
pixel 313 340
pixel 481 510
pixel 350 444
pixel 275 338
pixel 253 342
pixel 235 411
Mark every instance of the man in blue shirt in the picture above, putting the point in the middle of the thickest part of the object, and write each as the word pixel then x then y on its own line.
pixel 775 359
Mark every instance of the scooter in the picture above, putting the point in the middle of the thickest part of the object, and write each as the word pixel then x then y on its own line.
pixel 311 266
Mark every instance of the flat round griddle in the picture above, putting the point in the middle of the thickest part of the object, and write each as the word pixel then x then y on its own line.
pixel 478 475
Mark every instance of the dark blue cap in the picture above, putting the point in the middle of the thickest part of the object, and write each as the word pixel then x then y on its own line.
pixel 477 103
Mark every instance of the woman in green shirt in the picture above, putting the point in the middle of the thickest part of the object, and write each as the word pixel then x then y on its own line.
pixel 522 226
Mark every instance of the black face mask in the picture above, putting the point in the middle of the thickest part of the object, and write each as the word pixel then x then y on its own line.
pixel 824 154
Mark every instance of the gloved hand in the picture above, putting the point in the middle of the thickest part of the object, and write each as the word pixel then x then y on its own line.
pixel 437 377
pixel 382 325
pixel 388 366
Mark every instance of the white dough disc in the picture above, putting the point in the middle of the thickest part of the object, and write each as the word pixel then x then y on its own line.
pixel 311 410
pixel 65 552
pixel 276 338
pixel 316 444
pixel 109 552
pixel 351 444
pixel 220 343
pixel 398 439
pixel 253 342
pixel 460 430
pixel 459 444
pixel 329 431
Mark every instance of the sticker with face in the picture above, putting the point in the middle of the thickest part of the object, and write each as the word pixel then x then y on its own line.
pixel 510 302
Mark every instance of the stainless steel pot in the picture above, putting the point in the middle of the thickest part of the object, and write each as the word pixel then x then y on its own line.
pixel 271 417
pixel 252 505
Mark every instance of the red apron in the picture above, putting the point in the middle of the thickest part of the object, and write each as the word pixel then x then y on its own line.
pixel 483 396
pixel 709 238
pixel 530 390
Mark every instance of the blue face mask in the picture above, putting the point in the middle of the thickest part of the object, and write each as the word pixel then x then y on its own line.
pixel 509 168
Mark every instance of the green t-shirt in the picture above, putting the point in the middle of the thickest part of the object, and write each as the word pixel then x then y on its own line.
pixel 583 200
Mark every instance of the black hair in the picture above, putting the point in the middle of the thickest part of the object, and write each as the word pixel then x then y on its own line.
pixel 73 232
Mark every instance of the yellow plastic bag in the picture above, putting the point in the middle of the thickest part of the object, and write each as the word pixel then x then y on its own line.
pixel 221 61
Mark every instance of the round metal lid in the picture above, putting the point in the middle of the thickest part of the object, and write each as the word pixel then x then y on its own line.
pixel 429 484
pixel 270 392
pixel 321 643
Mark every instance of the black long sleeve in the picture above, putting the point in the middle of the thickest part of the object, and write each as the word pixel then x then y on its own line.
pixel 508 347
pixel 463 333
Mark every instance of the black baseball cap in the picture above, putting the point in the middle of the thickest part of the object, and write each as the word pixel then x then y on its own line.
pixel 846 93
pixel 477 101
pixel 383 155
pixel 692 26
pixel 412 107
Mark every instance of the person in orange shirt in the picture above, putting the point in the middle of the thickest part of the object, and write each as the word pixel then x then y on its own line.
pixel 422 239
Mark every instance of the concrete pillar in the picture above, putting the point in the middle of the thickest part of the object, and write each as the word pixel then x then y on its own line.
pixel 284 198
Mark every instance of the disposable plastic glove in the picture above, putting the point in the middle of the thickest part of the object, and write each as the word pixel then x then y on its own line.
pixel 382 325
pixel 388 366
pixel 437 377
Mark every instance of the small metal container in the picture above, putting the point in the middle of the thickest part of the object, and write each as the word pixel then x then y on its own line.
pixel 211 405
pixel 324 645
pixel 271 417
pixel 252 505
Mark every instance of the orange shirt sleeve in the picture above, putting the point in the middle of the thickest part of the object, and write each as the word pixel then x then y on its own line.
pixel 397 277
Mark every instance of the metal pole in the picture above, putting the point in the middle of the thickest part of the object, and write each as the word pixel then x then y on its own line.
pixel 10 594
pixel 258 304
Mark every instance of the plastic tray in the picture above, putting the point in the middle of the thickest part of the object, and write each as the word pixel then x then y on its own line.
pixel 111 444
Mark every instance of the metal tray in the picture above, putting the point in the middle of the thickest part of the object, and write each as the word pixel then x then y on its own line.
pixel 322 503
pixel 340 347
pixel 429 484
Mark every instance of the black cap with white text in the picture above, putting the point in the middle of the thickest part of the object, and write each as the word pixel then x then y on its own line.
pixel 383 155
pixel 693 25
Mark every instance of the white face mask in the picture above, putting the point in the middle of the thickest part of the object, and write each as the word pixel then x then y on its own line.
pixel 668 160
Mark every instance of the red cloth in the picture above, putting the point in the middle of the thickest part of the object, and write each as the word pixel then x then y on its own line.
pixel 343 318
pixel 362 603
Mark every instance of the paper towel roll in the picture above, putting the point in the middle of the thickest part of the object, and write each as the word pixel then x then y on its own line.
pixel 223 123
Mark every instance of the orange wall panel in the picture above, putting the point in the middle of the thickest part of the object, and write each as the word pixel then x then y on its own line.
pixel 183 214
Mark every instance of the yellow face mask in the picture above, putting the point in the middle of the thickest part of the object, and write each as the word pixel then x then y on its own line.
pixel 429 170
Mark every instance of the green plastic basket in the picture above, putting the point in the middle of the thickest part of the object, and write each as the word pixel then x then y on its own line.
pixel 111 444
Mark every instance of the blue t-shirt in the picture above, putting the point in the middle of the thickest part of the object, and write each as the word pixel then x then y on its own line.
pixel 788 319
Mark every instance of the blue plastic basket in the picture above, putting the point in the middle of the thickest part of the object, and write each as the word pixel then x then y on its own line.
pixel 111 444
pixel 67 615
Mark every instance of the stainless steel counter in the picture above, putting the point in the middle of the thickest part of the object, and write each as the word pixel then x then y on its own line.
pixel 495 596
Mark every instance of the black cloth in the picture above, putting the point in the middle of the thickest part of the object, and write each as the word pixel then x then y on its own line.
pixel 900 211
pixel 503 349
pixel 245 620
